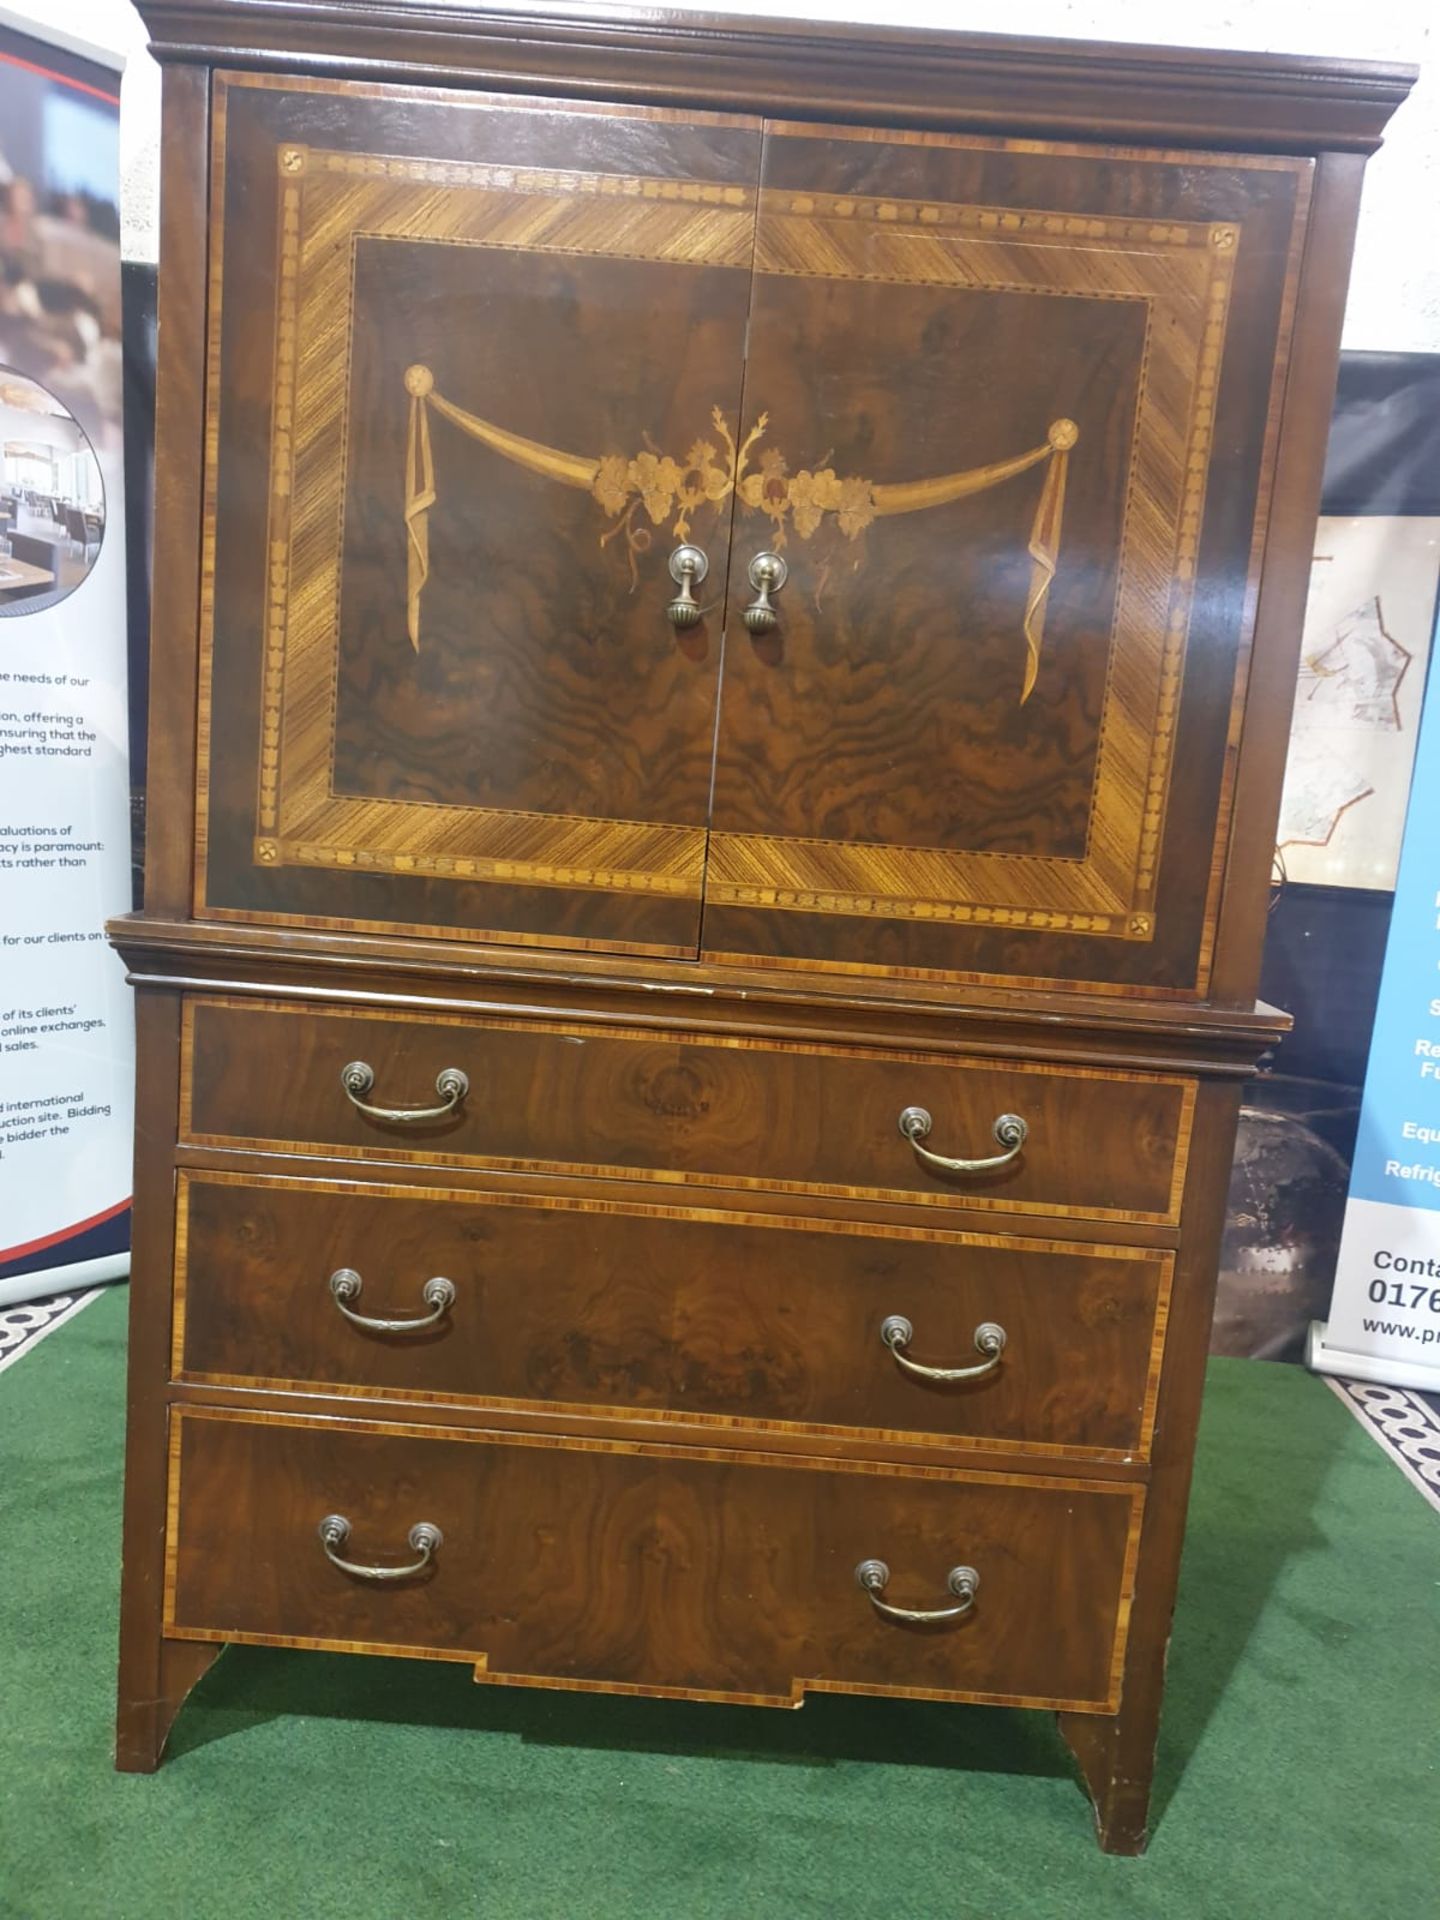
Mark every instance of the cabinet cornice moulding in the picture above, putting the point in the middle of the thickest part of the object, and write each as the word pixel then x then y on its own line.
pixel 818 70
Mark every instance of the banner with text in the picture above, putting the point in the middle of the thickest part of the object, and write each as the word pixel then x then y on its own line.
pixel 66 1028
pixel 1384 1320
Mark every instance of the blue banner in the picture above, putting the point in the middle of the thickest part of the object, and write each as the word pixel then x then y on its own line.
pixel 1385 1313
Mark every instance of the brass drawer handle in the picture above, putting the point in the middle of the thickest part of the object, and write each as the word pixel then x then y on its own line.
pixel 423 1537
pixel 438 1294
pixel 897 1333
pixel 963 1582
pixel 450 1083
pixel 1010 1131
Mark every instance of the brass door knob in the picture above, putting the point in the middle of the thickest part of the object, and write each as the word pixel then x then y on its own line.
pixel 768 574
pixel 688 567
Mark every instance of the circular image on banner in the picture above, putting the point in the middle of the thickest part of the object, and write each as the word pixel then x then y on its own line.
pixel 52 499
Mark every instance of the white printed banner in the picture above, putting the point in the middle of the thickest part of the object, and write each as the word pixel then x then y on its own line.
pixel 1384 1320
pixel 66 1029
pixel 1357 703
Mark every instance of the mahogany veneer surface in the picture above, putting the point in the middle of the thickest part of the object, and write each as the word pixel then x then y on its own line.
pixel 942 761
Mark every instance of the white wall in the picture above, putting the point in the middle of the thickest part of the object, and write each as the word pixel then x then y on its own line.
pixel 1395 294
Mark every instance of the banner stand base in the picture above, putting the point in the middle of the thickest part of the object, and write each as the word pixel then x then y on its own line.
pixel 1321 1357
pixel 76 1276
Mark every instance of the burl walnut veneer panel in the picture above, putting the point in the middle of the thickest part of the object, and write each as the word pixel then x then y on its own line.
pixel 579 1304
pixel 1008 417
pixel 718 1112
pixel 990 732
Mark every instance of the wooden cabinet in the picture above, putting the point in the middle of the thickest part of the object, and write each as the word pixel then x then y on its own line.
pixel 726 603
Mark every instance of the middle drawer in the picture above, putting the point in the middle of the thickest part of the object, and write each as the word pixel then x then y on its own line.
pixel 558 1302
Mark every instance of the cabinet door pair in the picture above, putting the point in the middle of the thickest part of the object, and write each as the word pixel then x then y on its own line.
pixel 691 535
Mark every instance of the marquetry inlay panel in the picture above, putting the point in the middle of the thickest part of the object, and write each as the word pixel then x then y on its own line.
pixel 1179 273
pixel 356 773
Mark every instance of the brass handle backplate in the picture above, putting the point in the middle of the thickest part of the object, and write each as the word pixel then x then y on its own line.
pixel 438 1294
pixel 768 573
pixel 450 1083
pixel 1011 1132
pixel 424 1539
pixel 963 1582
pixel 897 1333
pixel 688 567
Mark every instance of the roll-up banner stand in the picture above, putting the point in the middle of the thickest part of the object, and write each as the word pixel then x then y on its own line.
pixel 66 1027
pixel 1384 1320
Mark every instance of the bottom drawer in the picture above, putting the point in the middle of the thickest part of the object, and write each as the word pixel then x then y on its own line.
pixel 602 1564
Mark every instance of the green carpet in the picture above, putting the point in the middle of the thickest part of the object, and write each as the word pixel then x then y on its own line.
pixel 1297 1772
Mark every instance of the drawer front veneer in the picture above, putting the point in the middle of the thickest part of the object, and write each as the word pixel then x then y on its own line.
pixel 583 1304
pixel 724 1111
pixel 595 1564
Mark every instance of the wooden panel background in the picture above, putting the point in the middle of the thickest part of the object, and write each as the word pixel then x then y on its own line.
pixel 1038 832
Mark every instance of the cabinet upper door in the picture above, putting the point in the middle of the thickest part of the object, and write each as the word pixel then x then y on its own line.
pixel 1009 417
pixel 475 372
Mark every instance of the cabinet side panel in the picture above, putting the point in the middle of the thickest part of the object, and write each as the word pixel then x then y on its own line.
pixel 1117 1752
pixel 179 463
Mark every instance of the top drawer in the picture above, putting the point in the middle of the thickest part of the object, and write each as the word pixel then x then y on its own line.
pixel 722 1111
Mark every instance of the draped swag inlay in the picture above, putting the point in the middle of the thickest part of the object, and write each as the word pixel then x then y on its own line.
pixel 705 477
